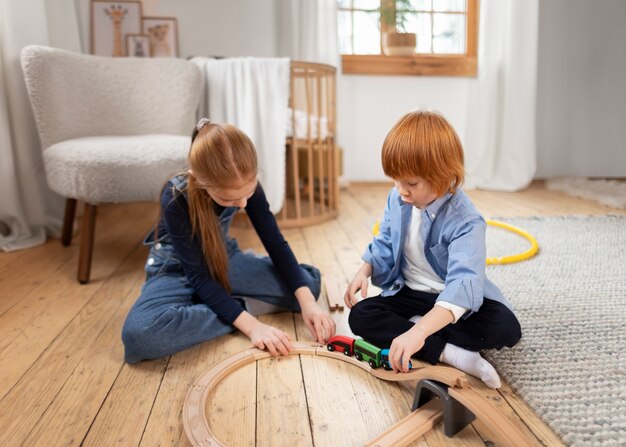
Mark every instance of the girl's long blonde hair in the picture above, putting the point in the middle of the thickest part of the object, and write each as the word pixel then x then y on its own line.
pixel 220 155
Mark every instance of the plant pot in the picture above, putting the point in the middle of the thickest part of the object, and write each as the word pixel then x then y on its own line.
pixel 399 44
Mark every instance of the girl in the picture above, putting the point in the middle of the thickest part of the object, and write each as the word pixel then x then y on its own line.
pixel 199 285
pixel 429 259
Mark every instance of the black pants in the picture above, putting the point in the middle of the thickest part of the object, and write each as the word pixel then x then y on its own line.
pixel 381 319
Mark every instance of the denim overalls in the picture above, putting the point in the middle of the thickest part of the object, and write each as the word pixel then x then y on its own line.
pixel 168 317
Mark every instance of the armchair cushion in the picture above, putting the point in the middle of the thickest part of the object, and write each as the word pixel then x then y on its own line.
pixel 117 169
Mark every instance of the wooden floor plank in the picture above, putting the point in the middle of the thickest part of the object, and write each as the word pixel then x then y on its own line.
pixel 61 363
pixel 231 407
pixel 164 426
pixel 38 264
pixel 545 435
pixel 281 406
pixel 73 410
pixel 327 383
pixel 336 417
pixel 13 257
pixel 122 418
pixel 28 328
pixel 29 271
pixel 377 401
pixel 26 402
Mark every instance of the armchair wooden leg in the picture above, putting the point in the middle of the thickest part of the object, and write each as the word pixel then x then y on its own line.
pixel 68 222
pixel 86 243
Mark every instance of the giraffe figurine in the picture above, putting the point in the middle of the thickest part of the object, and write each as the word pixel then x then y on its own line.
pixel 117 13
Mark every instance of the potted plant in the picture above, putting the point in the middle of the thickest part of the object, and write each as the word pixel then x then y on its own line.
pixel 396 41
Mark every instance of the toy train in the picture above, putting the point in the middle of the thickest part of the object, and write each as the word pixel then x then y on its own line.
pixel 362 351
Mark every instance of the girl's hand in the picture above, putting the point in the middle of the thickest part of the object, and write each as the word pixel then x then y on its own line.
pixel 359 282
pixel 319 322
pixel 264 336
pixel 403 347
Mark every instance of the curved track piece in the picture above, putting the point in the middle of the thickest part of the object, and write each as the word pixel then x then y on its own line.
pixel 200 434
pixel 411 427
pixel 505 432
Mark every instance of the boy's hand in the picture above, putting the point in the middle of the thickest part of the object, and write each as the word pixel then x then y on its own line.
pixel 359 282
pixel 403 347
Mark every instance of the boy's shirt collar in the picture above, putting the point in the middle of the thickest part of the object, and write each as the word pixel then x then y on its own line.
pixel 431 210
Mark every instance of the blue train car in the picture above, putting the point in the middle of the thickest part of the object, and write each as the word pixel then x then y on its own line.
pixel 384 354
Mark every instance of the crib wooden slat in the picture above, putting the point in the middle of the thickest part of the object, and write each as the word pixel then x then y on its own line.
pixel 309 108
pixel 311 168
pixel 319 146
pixel 294 147
pixel 330 144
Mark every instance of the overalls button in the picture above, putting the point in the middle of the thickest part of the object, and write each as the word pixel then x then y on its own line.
pixel 150 261
pixel 157 245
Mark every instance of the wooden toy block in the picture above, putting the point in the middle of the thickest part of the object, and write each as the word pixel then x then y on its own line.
pixel 334 293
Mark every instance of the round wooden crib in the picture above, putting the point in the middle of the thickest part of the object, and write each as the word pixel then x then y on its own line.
pixel 312 159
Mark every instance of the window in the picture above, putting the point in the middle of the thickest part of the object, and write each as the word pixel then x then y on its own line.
pixel 444 41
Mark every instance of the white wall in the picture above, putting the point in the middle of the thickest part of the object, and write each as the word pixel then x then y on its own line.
pixel 210 27
pixel 368 106
pixel 581 89
pixel 581 119
pixel 223 27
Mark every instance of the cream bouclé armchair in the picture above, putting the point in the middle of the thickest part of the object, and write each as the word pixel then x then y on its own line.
pixel 111 129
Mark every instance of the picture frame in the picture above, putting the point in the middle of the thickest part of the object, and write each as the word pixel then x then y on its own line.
pixel 163 34
pixel 110 23
pixel 137 45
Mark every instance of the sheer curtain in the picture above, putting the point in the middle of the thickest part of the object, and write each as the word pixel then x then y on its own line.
pixel 500 139
pixel 28 209
pixel 307 31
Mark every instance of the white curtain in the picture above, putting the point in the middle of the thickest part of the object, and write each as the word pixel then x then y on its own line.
pixel 28 209
pixel 307 31
pixel 500 134
pixel 253 94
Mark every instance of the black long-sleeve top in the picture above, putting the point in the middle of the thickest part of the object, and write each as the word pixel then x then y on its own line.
pixel 175 221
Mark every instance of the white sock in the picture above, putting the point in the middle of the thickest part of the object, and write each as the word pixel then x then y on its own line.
pixel 415 318
pixel 472 363
pixel 258 307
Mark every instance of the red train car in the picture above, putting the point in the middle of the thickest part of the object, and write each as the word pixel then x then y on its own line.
pixel 341 343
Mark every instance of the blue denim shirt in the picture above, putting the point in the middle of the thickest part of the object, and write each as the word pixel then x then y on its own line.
pixel 453 232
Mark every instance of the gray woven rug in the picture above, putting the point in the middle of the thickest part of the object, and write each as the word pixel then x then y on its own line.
pixel 570 365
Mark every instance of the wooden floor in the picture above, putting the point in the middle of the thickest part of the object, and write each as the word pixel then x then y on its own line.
pixel 63 381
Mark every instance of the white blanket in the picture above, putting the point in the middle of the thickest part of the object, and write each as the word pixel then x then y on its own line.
pixel 252 94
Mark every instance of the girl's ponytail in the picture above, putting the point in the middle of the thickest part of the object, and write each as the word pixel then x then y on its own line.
pixel 220 155
pixel 204 224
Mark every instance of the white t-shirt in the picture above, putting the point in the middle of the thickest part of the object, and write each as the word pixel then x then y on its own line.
pixel 417 272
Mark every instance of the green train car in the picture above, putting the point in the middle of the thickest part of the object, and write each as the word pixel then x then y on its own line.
pixel 368 352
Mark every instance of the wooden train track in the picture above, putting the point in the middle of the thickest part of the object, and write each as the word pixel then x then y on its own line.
pixel 402 433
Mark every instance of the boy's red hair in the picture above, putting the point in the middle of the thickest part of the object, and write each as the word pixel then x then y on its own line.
pixel 424 144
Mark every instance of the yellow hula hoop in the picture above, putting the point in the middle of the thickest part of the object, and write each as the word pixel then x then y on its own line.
pixel 532 251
